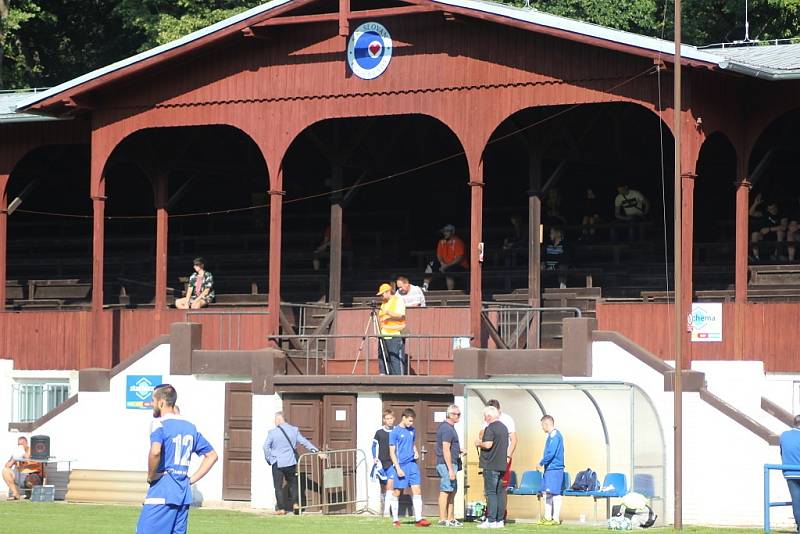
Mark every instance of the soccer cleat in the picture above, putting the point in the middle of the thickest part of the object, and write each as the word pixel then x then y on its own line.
pixel 455 523
pixel 423 523
pixel 545 522
pixel 443 523
pixel 396 524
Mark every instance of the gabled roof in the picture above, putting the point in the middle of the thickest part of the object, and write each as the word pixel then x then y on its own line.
pixel 500 13
pixel 772 62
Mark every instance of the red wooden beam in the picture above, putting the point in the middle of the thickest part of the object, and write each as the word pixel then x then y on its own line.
pixel 353 15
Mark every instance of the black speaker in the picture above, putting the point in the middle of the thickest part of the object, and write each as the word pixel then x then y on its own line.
pixel 40 447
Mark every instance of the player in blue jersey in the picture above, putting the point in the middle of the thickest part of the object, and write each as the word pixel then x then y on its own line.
pixel 404 471
pixel 173 439
pixel 553 463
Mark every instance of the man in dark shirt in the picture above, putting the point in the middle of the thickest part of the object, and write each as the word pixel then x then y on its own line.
pixel 381 458
pixel 448 463
pixel 493 446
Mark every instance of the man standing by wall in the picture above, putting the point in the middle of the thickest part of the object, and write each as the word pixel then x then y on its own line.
pixel 392 318
pixel 280 451
pixel 448 463
pixel 404 471
pixel 790 455
pixel 173 439
pixel 494 446
pixel 553 463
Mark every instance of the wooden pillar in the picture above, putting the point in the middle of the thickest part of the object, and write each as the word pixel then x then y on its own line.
pixel 275 216
pixel 3 238
pixel 687 263
pixel 335 271
pixel 742 251
pixel 162 235
pixel 475 267
pixel 98 258
pixel 534 243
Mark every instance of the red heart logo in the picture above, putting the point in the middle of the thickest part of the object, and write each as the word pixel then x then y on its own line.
pixel 374 48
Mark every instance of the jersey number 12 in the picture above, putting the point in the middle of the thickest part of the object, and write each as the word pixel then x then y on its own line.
pixel 183 448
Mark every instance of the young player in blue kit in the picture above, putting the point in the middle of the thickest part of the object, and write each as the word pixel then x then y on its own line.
pixel 404 471
pixel 173 439
pixel 553 463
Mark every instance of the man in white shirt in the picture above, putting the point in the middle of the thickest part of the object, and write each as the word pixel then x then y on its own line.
pixel 630 206
pixel 19 459
pixel 412 295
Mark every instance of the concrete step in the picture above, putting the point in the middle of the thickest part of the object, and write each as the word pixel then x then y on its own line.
pixel 96 486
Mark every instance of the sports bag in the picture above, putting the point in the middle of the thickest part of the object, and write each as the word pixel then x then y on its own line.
pixel 585 481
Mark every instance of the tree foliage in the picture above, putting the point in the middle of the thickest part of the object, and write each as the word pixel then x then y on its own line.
pixel 44 42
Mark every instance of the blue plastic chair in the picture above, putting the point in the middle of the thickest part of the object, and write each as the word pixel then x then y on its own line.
pixel 620 484
pixel 512 482
pixel 644 484
pixel 531 484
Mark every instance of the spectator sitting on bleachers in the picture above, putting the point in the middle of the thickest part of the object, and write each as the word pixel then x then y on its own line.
pixel 766 226
pixel 451 257
pixel 200 291
pixel 555 256
pixel 551 208
pixel 412 295
pixel 517 238
pixel 591 215
pixel 630 206
pixel 19 466
pixel 323 251
pixel 793 229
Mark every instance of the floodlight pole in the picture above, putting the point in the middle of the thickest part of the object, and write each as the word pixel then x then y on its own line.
pixel 680 319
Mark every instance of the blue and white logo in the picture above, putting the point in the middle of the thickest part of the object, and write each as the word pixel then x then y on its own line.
pixel 139 391
pixel 369 50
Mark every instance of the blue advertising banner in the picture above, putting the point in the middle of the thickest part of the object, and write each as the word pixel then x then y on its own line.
pixel 139 391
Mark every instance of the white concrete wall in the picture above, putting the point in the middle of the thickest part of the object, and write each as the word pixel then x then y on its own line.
pixel 262 491
pixel 722 461
pixel 369 418
pixel 100 433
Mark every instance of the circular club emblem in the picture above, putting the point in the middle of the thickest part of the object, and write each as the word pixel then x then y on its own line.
pixel 369 50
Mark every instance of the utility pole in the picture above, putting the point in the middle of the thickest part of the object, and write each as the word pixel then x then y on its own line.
pixel 680 319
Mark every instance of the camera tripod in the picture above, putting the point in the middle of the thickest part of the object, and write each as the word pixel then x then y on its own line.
pixel 372 323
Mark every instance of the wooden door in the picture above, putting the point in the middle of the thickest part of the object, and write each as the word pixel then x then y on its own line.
pixel 339 431
pixel 237 450
pixel 426 424
pixel 305 412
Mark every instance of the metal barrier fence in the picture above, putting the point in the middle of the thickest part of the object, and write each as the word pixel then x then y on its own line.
pixel 328 482
pixel 518 326
pixel 229 326
pixel 767 503
pixel 420 350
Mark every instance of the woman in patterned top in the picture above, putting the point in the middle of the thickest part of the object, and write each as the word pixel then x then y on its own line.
pixel 201 288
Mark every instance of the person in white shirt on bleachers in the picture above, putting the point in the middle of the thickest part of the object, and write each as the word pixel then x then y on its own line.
pixel 412 295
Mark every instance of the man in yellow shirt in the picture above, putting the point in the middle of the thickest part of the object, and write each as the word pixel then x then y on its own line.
pixel 392 318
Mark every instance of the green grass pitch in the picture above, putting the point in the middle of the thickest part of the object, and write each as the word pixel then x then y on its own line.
pixel 62 518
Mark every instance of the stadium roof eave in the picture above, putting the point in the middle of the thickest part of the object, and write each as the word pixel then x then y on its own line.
pixel 761 73
pixel 504 14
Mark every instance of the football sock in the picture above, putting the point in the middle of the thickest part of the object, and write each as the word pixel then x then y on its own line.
pixel 556 507
pixel 417 501
pixel 548 506
pixel 394 504
pixel 387 503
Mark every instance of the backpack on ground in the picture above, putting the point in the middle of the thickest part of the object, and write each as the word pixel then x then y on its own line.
pixel 585 481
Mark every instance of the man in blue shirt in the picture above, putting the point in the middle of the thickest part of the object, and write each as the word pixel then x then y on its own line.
pixel 280 451
pixel 173 439
pixel 553 463
pixel 404 471
pixel 790 455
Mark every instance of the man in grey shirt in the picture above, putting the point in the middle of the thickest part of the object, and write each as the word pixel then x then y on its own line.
pixel 280 452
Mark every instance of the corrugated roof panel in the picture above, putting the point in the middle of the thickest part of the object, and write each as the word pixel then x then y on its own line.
pixel 9 100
